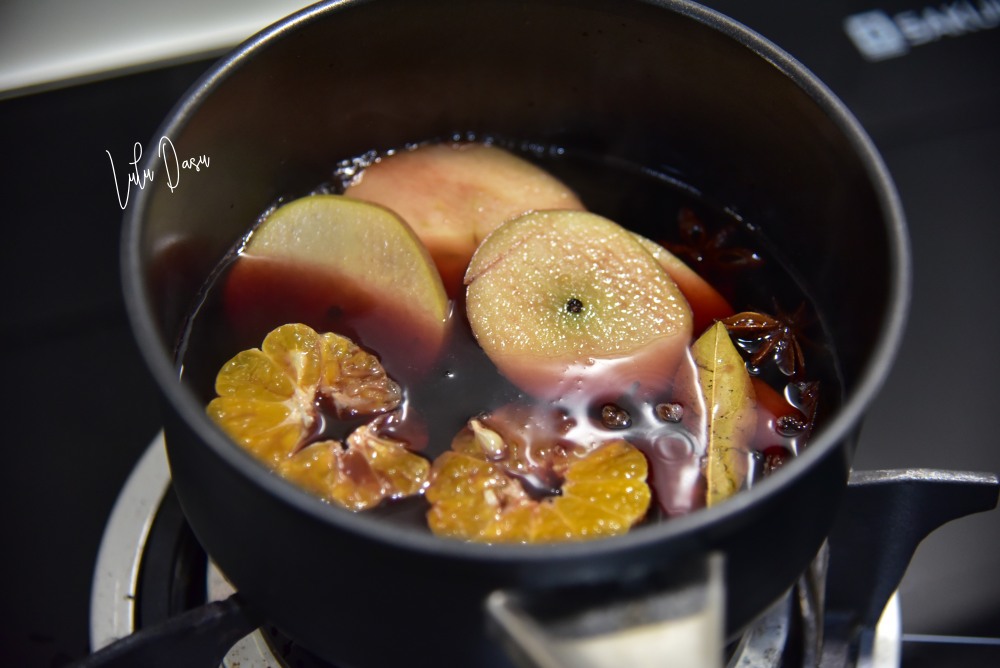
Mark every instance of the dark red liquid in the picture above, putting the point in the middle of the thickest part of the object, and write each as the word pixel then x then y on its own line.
pixel 261 294
pixel 445 386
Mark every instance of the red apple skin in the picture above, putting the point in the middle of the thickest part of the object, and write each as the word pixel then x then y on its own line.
pixel 586 380
pixel 454 194
pixel 340 265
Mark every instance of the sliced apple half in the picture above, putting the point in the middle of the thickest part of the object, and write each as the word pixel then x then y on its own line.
pixel 454 194
pixel 569 305
pixel 706 302
pixel 344 266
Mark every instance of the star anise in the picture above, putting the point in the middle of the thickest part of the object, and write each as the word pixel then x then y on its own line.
pixel 712 251
pixel 764 336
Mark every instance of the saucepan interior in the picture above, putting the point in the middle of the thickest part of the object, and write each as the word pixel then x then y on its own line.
pixel 668 85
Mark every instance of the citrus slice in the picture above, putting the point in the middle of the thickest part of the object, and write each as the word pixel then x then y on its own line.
pixel 353 381
pixel 528 439
pixel 602 493
pixel 273 399
pixel 266 399
pixel 371 469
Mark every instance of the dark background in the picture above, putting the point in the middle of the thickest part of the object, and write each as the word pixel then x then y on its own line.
pixel 79 408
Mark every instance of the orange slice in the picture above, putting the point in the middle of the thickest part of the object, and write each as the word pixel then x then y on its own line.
pixel 372 469
pixel 267 395
pixel 604 493
pixel 270 403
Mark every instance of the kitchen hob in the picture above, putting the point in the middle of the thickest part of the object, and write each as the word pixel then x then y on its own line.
pixel 81 410
pixel 151 571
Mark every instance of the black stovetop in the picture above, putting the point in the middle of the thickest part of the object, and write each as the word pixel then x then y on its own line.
pixel 79 407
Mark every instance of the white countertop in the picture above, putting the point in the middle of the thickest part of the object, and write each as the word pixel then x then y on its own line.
pixel 47 43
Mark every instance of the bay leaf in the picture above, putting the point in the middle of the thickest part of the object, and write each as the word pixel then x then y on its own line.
pixel 730 410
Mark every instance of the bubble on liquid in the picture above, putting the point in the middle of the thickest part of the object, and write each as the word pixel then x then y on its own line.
pixel 615 417
pixel 673 448
pixel 803 395
pixel 670 412
pixel 790 425
pixel 774 457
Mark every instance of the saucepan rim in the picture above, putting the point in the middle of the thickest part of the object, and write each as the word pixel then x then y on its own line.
pixel 159 357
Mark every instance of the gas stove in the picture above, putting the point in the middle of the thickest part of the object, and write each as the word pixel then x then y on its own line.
pixel 154 585
pixel 81 410
pixel 151 571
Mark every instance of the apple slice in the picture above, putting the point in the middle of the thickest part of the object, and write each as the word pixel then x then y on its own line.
pixel 706 302
pixel 569 305
pixel 344 266
pixel 454 194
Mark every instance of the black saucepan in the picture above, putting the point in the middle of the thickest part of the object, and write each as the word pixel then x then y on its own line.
pixel 665 84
